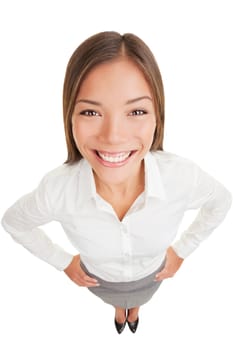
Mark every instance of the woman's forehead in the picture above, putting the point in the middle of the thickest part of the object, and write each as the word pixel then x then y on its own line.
pixel 118 77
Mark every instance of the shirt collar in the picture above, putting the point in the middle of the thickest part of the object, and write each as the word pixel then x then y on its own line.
pixel 86 186
pixel 153 181
pixel 154 186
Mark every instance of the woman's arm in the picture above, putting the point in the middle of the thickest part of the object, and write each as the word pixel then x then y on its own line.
pixel 22 221
pixel 213 201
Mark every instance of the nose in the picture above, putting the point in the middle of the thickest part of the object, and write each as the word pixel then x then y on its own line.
pixel 113 130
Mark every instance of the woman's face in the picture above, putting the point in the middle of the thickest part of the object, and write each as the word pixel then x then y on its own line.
pixel 114 120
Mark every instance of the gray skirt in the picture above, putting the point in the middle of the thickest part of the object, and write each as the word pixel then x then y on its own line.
pixel 125 295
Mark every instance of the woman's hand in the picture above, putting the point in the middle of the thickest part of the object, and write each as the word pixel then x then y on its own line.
pixel 172 265
pixel 78 276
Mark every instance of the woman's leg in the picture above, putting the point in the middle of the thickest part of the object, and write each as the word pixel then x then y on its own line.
pixel 133 314
pixel 120 315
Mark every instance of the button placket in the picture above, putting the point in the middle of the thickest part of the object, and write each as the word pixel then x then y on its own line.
pixel 125 240
pixel 126 247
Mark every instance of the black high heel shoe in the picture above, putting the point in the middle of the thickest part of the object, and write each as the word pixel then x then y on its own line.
pixel 120 326
pixel 133 325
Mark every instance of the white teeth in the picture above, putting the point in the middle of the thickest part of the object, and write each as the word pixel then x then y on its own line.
pixel 120 157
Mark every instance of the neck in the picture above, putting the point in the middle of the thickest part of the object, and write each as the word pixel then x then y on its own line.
pixel 121 196
pixel 131 187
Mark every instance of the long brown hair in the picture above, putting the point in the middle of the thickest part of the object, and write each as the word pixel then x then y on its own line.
pixel 103 47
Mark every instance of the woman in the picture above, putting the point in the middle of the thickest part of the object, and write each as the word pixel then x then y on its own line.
pixel 119 197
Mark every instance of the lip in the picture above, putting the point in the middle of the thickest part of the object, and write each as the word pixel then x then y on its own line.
pixel 113 154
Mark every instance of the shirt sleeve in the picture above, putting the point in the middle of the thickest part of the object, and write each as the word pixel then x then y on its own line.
pixel 21 221
pixel 213 201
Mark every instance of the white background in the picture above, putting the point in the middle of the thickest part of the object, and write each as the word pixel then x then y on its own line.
pixel 40 308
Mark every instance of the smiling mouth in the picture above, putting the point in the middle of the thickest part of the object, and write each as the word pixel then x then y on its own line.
pixel 117 157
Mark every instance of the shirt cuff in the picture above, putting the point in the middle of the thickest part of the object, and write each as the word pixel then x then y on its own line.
pixel 184 247
pixel 60 260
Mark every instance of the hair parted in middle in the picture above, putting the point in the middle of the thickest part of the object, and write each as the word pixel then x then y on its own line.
pixel 104 47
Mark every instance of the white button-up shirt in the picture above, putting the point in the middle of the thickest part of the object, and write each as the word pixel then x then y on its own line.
pixel 115 250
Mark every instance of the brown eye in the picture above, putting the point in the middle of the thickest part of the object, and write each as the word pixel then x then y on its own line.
pixel 138 112
pixel 89 113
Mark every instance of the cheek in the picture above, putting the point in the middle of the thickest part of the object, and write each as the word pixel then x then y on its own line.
pixel 78 128
pixel 147 132
pixel 83 133
pixel 74 131
pixel 77 133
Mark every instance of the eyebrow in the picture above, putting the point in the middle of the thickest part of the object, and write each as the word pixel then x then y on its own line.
pixel 127 102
